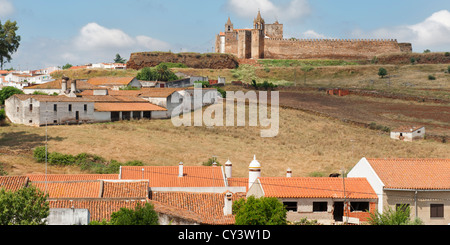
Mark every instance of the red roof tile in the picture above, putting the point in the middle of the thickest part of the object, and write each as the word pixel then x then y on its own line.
pixel 125 189
pixel 167 176
pixel 316 187
pixel 127 107
pixel 405 173
pixel 13 183
pixel 71 177
pixel 208 206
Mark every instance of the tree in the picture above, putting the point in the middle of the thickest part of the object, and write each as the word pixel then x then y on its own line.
pixel 259 211
pixel 9 41
pixel 119 59
pixel 382 72
pixel 141 215
pixel 7 92
pixel 66 66
pixel 399 216
pixel 27 206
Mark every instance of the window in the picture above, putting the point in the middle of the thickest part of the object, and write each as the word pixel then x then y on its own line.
pixel 320 206
pixel 55 107
pixel 290 206
pixel 402 206
pixel 85 107
pixel 359 206
pixel 436 210
pixel 17 109
pixel 31 107
pixel 55 121
pixel 70 107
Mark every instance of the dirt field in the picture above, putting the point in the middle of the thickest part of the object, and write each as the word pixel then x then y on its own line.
pixel 386 112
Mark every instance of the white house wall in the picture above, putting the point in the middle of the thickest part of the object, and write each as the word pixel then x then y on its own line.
pixel 364 170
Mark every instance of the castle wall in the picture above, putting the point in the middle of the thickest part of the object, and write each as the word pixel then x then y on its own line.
pixel 244 44
pixel 274 30
pixel 231 43
pixel 329 48
pixel 257 44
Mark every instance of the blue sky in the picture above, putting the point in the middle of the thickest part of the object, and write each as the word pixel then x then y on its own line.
pixel 56 32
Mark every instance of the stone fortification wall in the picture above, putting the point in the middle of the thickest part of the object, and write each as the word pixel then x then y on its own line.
pixel 330 48
pixel 194 60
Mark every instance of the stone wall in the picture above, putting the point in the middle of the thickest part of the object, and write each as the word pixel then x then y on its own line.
pixel 330 48
pixel 194 60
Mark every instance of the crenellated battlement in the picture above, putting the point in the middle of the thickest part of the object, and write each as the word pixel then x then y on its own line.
pixel 332 40
pixel 266 41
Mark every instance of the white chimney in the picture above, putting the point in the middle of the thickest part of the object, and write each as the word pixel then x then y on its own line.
pixel 254 171
pixel 64 80
pixel 228 166
pixel 228 204
pixel 73 88
pixel 289 173
pixel 180 169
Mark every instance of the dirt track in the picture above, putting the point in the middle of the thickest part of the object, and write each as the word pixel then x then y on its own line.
pixel 385 112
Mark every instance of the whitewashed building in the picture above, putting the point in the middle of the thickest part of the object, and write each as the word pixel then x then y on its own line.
pixel 408 133
pixel 38 110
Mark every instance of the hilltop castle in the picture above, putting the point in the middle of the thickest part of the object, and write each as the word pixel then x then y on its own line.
pixel 266 41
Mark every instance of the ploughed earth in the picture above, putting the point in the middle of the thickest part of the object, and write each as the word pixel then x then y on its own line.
pixel 365 110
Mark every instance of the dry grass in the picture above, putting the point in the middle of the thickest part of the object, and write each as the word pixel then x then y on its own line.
pixel 306 143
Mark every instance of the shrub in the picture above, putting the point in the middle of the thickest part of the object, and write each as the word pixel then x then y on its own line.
pixel 447 54
pixel 39 154
pixel 56 158
pixel 382 72
pixel 210 162
pixel 2 114
pixel 431 77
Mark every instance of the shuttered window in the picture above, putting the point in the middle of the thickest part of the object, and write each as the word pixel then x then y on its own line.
pixel 436 210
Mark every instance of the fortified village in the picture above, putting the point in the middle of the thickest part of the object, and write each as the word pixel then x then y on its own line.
pixel 185 194
pixel 265 41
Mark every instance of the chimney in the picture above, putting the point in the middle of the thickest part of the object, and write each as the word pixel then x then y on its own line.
pixel 289 173
pixel 228 204
pixel 180 169
pixel 254 171
pixel 73 88
pixel 64 80
pixel 228 166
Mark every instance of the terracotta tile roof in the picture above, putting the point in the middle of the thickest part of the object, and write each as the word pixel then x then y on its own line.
pixel 125 189
pixel 113 98
pixel 71 177
pixel 143 92
pixel 13 183
pixel 81 85
pixel 127 107
pixel 51 98
pixel 407 128
pixel 99 209
pixel 403 173
pixel 112 188
pixel 317 187
pixel 208 206
pixel 167 176
pixel 70 189
pixel 110 80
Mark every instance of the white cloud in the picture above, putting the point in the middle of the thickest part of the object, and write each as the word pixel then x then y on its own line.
pixel 6 8
pixel 432 33
pixel 313 35
pixel 292 10
pixel 93 43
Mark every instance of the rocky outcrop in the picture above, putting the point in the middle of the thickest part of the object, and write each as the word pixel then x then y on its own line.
pixel 194 60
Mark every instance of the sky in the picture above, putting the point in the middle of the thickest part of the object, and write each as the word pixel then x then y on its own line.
pixel 56 32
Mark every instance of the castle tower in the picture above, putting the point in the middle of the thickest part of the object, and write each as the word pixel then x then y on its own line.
pixel 258 23
pixel 229 25
pixel 254 171
pixel 257 41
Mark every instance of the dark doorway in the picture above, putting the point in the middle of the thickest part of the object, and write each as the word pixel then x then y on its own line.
pixel 147 114
pixel 77 115
pixel 115 116
pixel 136 115
pixel 338 211
pixel 126 115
